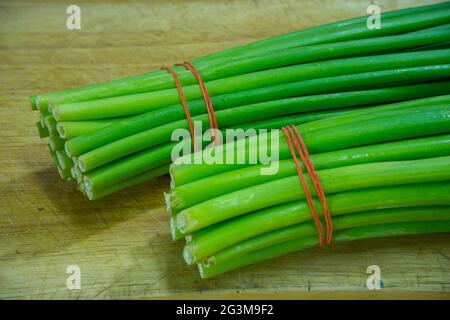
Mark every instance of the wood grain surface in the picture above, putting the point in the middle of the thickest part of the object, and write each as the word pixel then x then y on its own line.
pixel 122 243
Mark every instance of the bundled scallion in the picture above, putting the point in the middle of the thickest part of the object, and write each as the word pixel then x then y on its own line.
pixel 385 171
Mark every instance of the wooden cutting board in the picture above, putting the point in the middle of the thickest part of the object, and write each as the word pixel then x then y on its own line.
pixel 121 244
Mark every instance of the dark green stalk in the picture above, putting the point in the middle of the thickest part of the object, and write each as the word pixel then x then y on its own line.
pixel 397 22
pixel 50 123
pixel 321 52
pixel 295 119
pixel 143 102
pixel 323 34
pixel 42 130
pixel 56 143
pixel 32 100
pixel 65 163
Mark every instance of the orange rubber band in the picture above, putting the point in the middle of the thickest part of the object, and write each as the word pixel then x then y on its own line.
pixel 315 178
pixel 289 137
pixel 209 107
pixel 296 143
pixel 184 104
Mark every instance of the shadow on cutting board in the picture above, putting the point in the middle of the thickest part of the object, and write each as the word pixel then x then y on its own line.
pixel 159 270
pixel 58 197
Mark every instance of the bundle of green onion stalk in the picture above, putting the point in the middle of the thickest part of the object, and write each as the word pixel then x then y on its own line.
pixel 112 135
pixel 385 172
